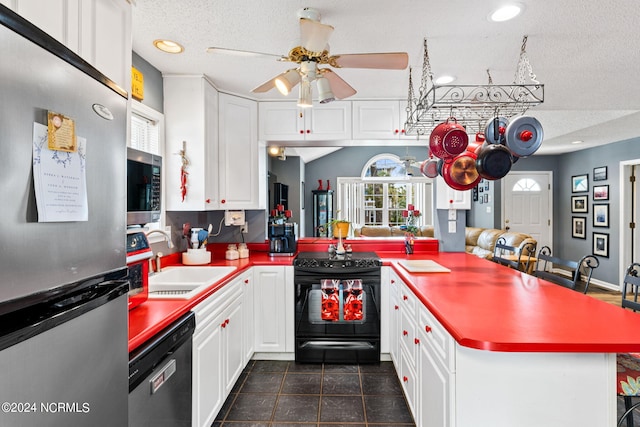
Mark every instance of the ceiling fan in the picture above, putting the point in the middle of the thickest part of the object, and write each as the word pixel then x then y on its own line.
pixel 314 51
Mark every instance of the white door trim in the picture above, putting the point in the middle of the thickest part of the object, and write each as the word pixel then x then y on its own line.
pixel 549 194
pixel 624 239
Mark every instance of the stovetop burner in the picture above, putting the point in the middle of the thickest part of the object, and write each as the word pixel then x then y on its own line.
pixel 326 260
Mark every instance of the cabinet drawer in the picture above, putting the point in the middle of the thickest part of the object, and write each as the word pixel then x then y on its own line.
pixel 434 335
pixel 407 300
pixel 216 303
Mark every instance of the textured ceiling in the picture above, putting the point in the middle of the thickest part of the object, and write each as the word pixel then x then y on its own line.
pixel 585 52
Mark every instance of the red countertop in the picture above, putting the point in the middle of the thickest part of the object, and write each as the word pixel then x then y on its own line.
pixel 481 304
pixel 487 306
pixel 154 315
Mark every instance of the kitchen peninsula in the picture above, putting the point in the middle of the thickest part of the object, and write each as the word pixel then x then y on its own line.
pixel 483 345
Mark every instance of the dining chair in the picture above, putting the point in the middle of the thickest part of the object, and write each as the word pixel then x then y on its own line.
pixel 577 270
pixel 628 364
pixel 518 258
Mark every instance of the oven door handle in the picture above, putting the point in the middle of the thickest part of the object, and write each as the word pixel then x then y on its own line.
pixel 343 345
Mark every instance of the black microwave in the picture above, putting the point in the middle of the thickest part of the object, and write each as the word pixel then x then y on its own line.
pixel 144 172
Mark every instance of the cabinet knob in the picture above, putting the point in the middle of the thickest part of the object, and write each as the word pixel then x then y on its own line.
pixel 246 281
pixel 223 201
pixel 405 333
pixel 393 281
pixel 402 131
pixel 427 328
pixel 208 201
pixel 416 341
pixel 405 379
pixel 396 307
pixel 308 131
pixel 223 324
pixel 404 297
pixel 301 132
pixel 226 321
pixel 396 131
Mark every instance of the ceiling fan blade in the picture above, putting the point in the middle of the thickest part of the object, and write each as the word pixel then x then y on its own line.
pixel 265 87
pixel 237 52
pixel 385 61
pixel 314 35
pixel 339 87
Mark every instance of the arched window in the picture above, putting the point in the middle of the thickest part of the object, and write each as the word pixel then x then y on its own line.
pixel 383 191
pixel 526 184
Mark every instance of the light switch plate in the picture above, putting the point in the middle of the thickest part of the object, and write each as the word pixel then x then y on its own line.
pixel 452 226
pixel 452 214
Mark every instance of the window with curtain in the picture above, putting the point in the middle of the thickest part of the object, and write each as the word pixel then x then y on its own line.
pixel 382 192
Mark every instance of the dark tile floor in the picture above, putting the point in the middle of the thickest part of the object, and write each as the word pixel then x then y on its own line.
pixel 288 394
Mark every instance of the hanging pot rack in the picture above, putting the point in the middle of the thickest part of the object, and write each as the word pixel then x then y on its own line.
pixel 472 105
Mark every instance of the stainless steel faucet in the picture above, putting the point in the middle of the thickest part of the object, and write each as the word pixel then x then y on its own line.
pixel 164 233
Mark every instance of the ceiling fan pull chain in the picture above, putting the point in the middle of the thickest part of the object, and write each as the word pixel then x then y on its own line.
pixel 490 79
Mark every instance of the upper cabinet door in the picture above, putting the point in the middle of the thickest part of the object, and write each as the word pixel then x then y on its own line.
pixel 280 121
pixel 284 121
pixel 376 119
pixel 97 30
pixel 328 122
pixel 242 165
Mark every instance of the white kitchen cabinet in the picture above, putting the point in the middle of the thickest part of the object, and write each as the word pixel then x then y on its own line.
pixel 191 116
pixel 246 279
pixel 436 366
pixel 97 30
pixel 394 317
pixel 242 162
pixel 273 309
pixel 284 121
pixel 217 351
pixel 448 198
pixel 379 120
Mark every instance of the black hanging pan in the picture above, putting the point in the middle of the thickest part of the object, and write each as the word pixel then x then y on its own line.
pixel 495 129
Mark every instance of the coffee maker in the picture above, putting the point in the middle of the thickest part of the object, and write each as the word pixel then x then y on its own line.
pixel 282 238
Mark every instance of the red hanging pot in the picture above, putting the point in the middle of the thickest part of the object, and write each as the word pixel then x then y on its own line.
pixel 460 173
pixel 448 139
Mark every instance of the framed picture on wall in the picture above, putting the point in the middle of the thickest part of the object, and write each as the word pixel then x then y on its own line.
pixel 600 192
pixel 579 227
pixel 579 204
pixel 601 215
pixel 600 174
pixel 579 183
pixel 601 244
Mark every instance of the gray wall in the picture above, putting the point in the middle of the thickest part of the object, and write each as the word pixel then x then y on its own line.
pixel 347 161
pixel 153 94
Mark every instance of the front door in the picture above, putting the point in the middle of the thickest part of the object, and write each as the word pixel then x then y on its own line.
pixel 527 206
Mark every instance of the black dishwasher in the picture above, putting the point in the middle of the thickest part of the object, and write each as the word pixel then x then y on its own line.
pixel 160 378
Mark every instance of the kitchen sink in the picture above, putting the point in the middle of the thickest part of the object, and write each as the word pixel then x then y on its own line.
pixel 184 282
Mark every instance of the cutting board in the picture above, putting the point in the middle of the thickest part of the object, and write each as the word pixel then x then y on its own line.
pixel 423 266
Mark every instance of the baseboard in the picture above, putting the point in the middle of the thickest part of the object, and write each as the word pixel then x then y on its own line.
pixel 594 282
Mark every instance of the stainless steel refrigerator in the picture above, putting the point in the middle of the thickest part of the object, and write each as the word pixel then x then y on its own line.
pixel 63 283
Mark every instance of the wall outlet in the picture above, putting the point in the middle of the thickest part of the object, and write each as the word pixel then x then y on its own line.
pixel 234 218
pixel 245 228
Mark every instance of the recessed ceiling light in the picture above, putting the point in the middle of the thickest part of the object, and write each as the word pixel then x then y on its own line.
pixel 443 80
pixel 577 142
pixel 168 46
pixel 505 13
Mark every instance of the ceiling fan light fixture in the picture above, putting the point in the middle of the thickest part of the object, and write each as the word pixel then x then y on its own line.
pixel 286 81
pixel 304 99
pixel 325 95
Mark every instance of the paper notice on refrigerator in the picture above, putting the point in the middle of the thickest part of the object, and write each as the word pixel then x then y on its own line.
pixel 59 179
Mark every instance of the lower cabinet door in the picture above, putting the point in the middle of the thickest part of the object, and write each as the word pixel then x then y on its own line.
pixel 408 378
pixel 434 408
pixel 232 345
pixel 208 395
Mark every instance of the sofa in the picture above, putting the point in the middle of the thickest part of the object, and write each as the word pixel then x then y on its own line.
pixel 478 241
